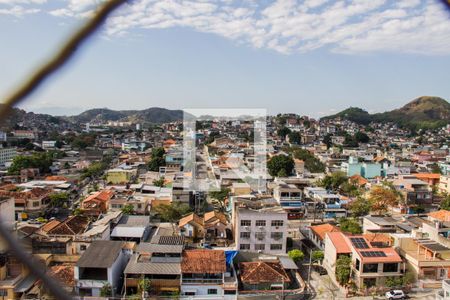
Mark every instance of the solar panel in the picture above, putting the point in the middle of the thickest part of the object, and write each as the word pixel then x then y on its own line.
pixel 359 243
pixel 373 254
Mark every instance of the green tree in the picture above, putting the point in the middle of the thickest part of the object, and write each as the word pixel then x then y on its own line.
pixel 360 207
pixel 157 159
pixel 445 203
pixel 317 256
pixel 361 137
pixel 296 255
pixel 333 181
pixel 128 209
pixel 220 196
pixel 280 162
pixel 144 286
pixel 435 169
pixel 328 141
pixel 283 132
pixel 159 182
pixel 172 212
pixel 58 199
pixel 41 161
pixel 350 225
pixel 294 138
pixel 350 141
pixel 343 269
pixel 106 290
pixel 312 163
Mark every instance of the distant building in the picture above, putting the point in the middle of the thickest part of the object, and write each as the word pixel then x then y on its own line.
pixel 7 154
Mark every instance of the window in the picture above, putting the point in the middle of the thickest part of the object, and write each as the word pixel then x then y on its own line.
pixel 276 246
pixel 260 222
pixel 390 267
pixel 245 235
pixel 276 235
pixel 82 247
pixel 370 268
pixel 357 264
pixel 246 223
pixel 277 223
pixel 245 247
pixel 189 293
pixel 139 206
pixel 260 247
pixel 260 235
pixel 36 204
pixel 212 291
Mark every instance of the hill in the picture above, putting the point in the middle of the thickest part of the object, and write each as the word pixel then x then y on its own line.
pixel 422 113
pixel 150 115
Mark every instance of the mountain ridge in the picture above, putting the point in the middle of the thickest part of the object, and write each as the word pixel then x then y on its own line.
pixel 425 112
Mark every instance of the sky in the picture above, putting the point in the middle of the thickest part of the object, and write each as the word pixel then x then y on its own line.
pixel 311 57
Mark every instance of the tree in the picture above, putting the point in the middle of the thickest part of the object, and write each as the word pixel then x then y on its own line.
pixel 128 209
pixel 296 255
pixel 317 255
pixel 283 132
pixel 333 181
pixel 280 162
pixel 312 163
pixel 343 269
pixel 328 141
pixel 445 203
pixel 144 287
pixel 220 196
pixel 172 212
pixel 360 207
pixel 361 137
pixel 41 161
pixel 350 225
pixel 58 199
pixel 106 290
pixel 294 138
pixel 159 182
pixel 382 198
pixel 435 169
pixel 350 141
pixel 157 159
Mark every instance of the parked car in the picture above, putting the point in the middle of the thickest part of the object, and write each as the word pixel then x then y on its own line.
pixel 395 294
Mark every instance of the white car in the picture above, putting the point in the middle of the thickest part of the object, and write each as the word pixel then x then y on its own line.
pixel 395 294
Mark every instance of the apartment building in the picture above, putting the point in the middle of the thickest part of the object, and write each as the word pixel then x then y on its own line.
pixel 7 154
pixel 444 184
pixel 259 226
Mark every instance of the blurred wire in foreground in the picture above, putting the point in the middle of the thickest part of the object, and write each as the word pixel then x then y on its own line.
pixel 34 268
pixel 29 85
pixel 60 58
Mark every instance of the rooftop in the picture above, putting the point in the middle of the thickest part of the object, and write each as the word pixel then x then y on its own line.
pixel 201 261
pixel 100 254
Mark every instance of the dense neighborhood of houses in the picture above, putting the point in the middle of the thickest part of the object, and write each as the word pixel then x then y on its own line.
pixel 345 210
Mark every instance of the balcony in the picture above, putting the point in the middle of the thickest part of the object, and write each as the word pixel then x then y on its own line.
pixel 202 281
pixel 89 283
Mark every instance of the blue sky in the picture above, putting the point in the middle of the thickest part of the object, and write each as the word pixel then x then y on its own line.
pixel 312 57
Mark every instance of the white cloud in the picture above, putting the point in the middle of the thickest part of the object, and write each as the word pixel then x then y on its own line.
pixel 289 26
pixel 18 11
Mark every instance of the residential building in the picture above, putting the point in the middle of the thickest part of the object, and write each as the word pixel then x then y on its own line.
pixel 7 154
pixel 159 263
pixel 379 224
pixel 290 199
pixel 263 275
pixel 97 203
pixel 102 263
pixel 259 226
pixel 414 191
pixel 372 261
pixel 444 184
pixel 366 169
pixel 205 273
pixel 317 233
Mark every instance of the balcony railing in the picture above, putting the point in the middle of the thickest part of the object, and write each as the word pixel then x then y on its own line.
pixel 202 281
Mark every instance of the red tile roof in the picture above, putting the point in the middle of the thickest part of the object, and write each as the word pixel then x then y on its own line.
pixel 201 261
pixel 321 230
pixel 339 241
pixel 441 215
pixel 262 272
